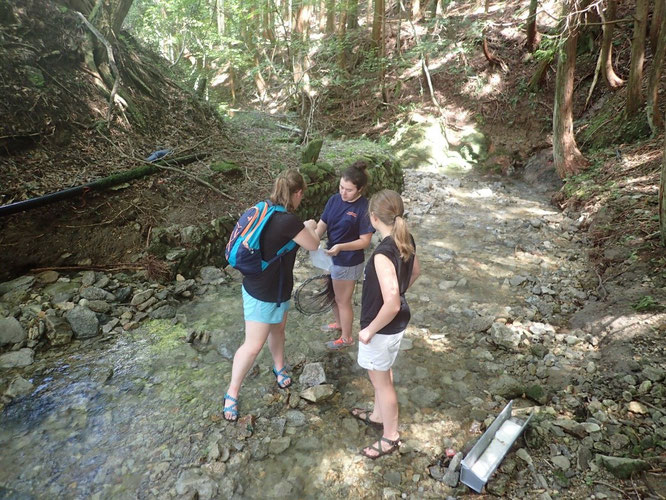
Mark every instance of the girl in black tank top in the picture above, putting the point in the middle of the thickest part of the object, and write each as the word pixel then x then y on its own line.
pixel 390 271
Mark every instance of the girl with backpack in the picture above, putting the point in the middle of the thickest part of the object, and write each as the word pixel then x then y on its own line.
pixel 264 309
pixel 346 223
pixel 391 270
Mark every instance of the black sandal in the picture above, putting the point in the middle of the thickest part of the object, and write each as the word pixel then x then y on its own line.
pixel 356 413
pixel 394 445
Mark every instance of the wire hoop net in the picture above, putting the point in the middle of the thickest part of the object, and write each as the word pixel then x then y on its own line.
pixel 315 295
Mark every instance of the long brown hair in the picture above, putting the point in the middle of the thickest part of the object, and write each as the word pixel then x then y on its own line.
pixel 287 183
pixel 388 207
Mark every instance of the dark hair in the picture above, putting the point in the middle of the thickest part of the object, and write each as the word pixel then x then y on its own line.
pixel 388 207
pixel 287 183
pixel 356 174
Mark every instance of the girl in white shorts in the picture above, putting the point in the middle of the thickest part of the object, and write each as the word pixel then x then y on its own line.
pixel 390 271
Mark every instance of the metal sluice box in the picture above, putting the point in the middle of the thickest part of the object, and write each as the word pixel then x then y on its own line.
pixel 490 449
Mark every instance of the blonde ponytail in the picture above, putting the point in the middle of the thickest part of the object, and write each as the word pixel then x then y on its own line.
pixel 402 238
pixel 388 207
pixel 287 183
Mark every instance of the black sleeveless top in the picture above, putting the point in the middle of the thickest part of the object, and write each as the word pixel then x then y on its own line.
pixel 371 298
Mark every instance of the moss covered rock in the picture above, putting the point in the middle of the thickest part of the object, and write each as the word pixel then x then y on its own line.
pixel 322 179
pixel 226 168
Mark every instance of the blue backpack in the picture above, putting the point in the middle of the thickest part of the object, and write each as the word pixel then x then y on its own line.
pixel 242 251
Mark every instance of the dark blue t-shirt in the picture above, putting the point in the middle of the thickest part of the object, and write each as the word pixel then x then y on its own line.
pixel 345 222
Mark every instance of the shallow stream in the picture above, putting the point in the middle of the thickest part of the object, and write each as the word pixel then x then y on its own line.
pixel 138 415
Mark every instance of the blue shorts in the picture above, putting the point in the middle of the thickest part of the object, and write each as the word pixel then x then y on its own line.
pixel 263 312
pixel 350 273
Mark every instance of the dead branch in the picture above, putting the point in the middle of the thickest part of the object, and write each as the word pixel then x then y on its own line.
pixel 166 167
pixel 108 268
pixel 492 59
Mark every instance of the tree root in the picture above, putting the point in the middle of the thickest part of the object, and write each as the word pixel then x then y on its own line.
pixel 112 63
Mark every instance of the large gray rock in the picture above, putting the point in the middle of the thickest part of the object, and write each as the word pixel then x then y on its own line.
pixel 58 330
pixel 313 374
pixel 503 336
pixel 22 283
pixel 481 324
pixel 621 467
pixel 96 293
pixel 318 393
pixel 11 331
pixel 142 297
pixel 452 475
pixel 211 275
pixel 507 387
pixel 84 322
pixel 164 312
pixel 19 387
pixel 17 359
pixel 192 483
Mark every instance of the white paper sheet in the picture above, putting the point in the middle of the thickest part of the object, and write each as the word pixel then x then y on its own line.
pixel 320 259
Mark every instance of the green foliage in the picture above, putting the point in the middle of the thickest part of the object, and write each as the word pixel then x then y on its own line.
pixel 584 185
pixel 548 47
pixel 646 303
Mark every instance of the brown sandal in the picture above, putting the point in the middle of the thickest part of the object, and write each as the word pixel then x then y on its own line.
pixel 357 412
pixel 394 445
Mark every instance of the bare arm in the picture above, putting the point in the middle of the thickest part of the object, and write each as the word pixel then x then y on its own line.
pixel 307 238
pixel 361 243
pixel 388 283
pixel 321 228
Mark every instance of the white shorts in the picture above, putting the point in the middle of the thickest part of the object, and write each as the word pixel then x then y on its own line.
pixel 380 353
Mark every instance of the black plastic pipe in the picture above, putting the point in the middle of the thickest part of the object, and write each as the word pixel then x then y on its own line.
pixel 97 185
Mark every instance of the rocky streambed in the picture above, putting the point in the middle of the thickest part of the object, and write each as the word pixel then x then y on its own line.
pixel 112 385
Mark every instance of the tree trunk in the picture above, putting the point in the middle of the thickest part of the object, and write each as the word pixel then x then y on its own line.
pixel 267 22
pixel 322 16
pixel 302 62
pixel 634 97
pixel 610 77
pixel 352 14
pixel 532 34
pixel 120 10
pixel 567 158
pixel 342 34
pixel 221 18
pixel 416 10
pixel 378 23
pixel 653 114
pixel 330 16
pixel 108 17
pixel 655 25
pixel 662 198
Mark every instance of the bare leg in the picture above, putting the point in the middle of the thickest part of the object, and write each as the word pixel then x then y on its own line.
pixel 255 338
pixel 387 401
pixel 336 313
pixel 376 416
pixel 343 311
pixel 276 339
